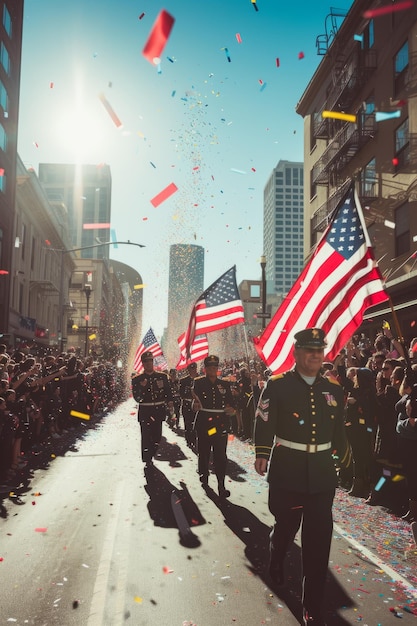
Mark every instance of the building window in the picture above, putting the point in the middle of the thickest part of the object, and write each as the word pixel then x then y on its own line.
pixel 313 187
pixel 4 58
pixel 3 183
pixel 3 138
pixel 402 229
pixel 288 176
pixel 32 255
pixel 401 68
pixel 402 144
pixel 369 184
pixel 368 36
pixel 4 100
pixel 7 22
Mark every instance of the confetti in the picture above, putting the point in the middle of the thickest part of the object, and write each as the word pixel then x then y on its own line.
pixel 3 272
pixel 277 62
pixel 164 194
pixel 227 55
pixel 391 8
pixel 98 225
pixel 141 16
pixel 338 116
pixel 301 55
pixel 238 38
pixel 255 6
pixel 358 37
pixel 380 483
pixel 41 530
pixel 83 416
pixel 137 599
pixel 212 431
pixel 158 37
pixel 110 111
pixel 381 116
pixel 139 286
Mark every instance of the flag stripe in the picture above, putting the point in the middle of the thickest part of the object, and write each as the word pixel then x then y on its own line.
pixel 199 350
pixel 148 343
pixel 338 284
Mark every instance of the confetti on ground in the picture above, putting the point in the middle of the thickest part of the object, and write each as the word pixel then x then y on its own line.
pixel 41 530
pixel 137 599
pixel 110 111
pixel 158 37
pixel 164 194
pixel 83 416
pixel 335 115
pixel 389 8
pixel 167 570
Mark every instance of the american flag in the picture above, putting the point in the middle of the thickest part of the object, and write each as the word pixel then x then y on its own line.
pixel 199 350
pixel 337 285
pixel 218 306
pixel 148 343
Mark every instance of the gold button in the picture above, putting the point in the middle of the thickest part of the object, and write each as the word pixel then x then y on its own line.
pixel 313 439
pixel 313 425
pixel 313 412
pixel 313 432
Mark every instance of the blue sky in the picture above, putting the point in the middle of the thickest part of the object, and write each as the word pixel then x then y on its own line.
pixel 208 125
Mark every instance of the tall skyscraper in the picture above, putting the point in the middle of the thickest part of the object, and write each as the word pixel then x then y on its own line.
pixel 86 192
pixel 11 20
pixel 186 284
pixel 283 226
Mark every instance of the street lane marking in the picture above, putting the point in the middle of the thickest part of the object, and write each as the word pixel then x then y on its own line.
pixel 374 559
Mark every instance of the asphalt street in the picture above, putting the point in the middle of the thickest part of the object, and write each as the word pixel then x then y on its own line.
pixel 87 538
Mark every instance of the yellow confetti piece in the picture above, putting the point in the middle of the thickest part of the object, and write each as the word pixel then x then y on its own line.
pixel 212 431
pixel 397 478
pixel 91 337
pixel 83 416
pixel 339 116
pixel 139 286
pixel 137 599
pixel 53 456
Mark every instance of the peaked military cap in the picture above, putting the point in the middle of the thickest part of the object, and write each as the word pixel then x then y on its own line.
pixel 310 338
pixel 146 355
pixel 211 360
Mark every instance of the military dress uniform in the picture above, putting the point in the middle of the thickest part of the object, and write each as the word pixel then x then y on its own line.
pixel 300 430
pixel 212 426
pixel 188 413
pixel 152 392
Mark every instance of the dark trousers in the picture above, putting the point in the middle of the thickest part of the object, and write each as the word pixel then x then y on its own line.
pixel 314 512
pixel 188 415
pixel 150 420
pixel 217 443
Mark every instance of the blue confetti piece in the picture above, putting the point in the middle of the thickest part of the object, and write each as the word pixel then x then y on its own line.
pixel 173 93
pixel 379 484
pixel 381 116
pixel 171 60
pixel 227 55
pixel 301 422
pixel 358 37
pixel 113 237
pixel 263 87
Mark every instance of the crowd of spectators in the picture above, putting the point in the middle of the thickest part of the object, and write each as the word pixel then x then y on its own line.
pixel 40 397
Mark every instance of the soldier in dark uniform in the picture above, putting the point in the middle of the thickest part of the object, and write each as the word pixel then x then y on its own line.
pixel 213 402
pixel 187 411
pixel 152 391
pixel 300 432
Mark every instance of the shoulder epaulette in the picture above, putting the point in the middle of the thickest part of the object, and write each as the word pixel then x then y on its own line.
pixel 333 381
pixel 276 376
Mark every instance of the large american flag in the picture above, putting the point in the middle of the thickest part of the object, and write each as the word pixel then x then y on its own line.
pixel 199 350
pixel 218 306
pixel 335 288
pixel 148 343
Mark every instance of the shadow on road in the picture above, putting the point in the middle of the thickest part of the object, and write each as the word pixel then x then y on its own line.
pixel 167 511
pixel 255 535
pixel 170 452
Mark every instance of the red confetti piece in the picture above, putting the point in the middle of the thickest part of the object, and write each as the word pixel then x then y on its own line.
pixel 33 502
pixel 395 161
pixel 301 55
pixel 48 243
pixel 51 85
pixel 144 219
pixel 260 81
pixel 239 38
pixel 277 62
pixel 167 570
pixel 158 36
pixel 98 225
pixel 1 558
pixel 4 272
pixel 164 194
pixel 41 530
pixel 110 111
pixel 391 8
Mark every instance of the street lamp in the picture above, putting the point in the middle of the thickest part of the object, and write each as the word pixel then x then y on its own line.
pixel 87 290
pixel 61 286
pixel 263 265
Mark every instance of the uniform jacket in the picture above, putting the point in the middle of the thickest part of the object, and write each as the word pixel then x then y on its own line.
pixel 216 395
pixel 150 388
pixel 291 409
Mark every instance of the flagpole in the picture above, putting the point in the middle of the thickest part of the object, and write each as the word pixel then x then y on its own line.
pixel 399 333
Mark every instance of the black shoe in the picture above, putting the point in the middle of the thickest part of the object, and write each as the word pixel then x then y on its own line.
pixel 204 482
pixel 276 572
pixel 309 620
pixel 224 493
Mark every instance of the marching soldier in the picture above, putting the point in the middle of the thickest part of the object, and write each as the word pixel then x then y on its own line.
pixel 188 414
pixel 153 393
pixel 213 402
pixel 299 432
